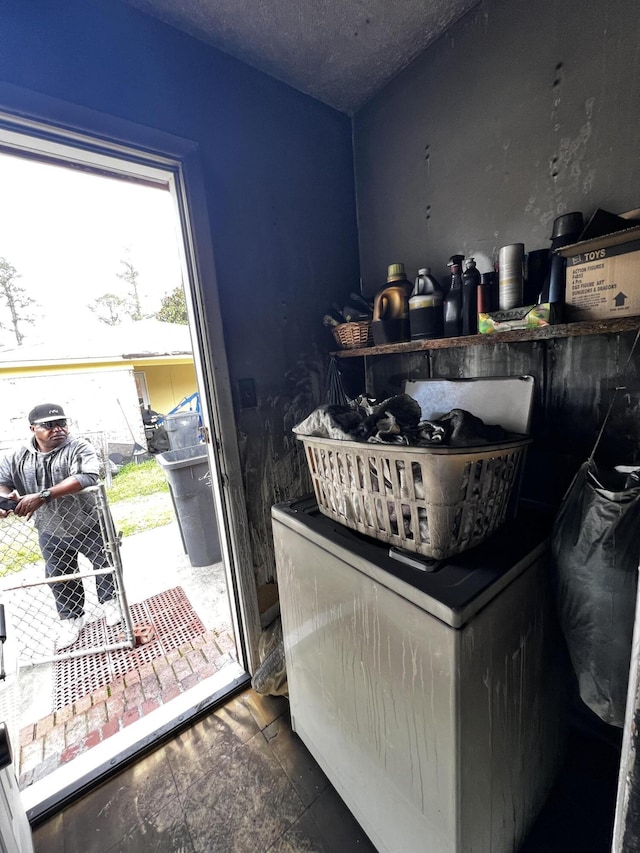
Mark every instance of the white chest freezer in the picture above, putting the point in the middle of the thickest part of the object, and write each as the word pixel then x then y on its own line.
pixel 432 700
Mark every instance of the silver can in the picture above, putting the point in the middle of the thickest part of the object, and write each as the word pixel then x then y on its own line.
pixel 511 276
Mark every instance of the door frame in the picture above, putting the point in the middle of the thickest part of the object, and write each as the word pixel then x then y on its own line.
pixel 85 138
pixel 102 142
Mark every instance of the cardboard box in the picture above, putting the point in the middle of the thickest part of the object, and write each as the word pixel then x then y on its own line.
pixel 527 317
pixel 603 277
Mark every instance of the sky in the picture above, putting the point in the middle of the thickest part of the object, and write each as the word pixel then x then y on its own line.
pixel 66 233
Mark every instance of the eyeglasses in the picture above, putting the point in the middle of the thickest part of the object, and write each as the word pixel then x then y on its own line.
pixel 62 422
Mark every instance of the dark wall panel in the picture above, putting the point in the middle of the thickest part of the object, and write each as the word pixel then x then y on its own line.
pixel 521 112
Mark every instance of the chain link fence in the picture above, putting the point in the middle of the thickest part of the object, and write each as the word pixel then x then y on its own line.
pixel 61 582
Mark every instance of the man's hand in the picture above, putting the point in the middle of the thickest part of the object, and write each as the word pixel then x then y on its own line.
pixel 28 504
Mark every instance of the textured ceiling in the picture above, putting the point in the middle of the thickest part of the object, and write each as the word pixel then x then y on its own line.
pixel 339 51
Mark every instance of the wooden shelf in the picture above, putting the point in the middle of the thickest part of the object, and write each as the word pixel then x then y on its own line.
pixel 561 330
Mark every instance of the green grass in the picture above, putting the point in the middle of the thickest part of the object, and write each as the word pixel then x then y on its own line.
pixel 139 500
pixel 18 545
pixel 133 481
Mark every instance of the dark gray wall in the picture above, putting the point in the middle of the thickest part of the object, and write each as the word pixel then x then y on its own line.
pixel 521 112
pixel 524 110
pixel 278 176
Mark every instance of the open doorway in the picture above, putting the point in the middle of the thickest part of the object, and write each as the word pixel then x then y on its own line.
pixel 195 602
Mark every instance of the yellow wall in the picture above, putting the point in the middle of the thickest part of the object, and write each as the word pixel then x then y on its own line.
pixel 168 384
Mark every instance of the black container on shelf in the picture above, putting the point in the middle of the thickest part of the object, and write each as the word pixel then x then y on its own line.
pixel 486 292
pixel 537 266
pixel 566 230
pixel 426 307
pixel 470 283
pixel 453 301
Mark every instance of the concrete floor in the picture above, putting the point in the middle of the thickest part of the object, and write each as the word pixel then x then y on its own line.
pixel 155 560
pixel 240 781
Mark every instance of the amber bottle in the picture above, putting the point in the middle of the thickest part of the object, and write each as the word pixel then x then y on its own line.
pixel 390 322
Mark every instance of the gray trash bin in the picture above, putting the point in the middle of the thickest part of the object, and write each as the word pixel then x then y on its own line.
pixel 187 473
pixel 183 429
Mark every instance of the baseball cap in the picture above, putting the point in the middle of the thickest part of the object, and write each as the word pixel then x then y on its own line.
pixel 46 412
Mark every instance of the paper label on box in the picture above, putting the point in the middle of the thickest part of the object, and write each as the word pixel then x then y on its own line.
pixel 605 286
pixel 598 255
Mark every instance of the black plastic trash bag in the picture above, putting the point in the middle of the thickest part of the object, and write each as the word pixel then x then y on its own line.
pixel 595 546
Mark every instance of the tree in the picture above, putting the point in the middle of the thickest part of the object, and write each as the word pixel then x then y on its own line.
pixel 15 298
pixel 173 308
pixel 109 308
pixel 130 276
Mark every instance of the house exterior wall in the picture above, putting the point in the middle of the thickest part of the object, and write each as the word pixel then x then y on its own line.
pixel 103 401
pixel 278 177
pixel 168 385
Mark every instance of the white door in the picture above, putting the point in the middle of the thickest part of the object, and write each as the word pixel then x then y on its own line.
pixel 626 821
pixel 15 832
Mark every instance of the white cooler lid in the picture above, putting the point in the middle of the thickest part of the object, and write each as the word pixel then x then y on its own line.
pixel 503 400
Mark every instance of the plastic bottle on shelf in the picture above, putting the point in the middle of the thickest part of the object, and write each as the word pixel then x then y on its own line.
pixel 453 301
pixel 537 274
pixel 390 322
pixel 485 292
pixel 426 307
pixel 470 283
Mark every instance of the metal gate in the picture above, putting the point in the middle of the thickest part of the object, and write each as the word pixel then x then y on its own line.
pixel 69 568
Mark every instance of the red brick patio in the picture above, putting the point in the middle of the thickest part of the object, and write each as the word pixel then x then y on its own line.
pixel 75 728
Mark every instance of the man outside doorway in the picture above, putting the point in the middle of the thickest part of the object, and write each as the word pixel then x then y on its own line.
pixel 43 478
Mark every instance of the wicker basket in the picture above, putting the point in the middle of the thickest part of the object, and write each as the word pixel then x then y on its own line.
pixel 435 501
pixel 353 335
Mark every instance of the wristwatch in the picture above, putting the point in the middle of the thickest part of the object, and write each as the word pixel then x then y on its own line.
pixel 45 494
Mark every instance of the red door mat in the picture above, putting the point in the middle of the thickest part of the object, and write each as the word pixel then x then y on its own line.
pixel 174 622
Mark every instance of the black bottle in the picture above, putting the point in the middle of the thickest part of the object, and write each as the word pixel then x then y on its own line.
pixel 486 291
pixel 470 282
pixel 538 263
pixel 426 307
pixel 453 302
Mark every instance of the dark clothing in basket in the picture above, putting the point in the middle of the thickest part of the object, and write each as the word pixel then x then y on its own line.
pixel 397 420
